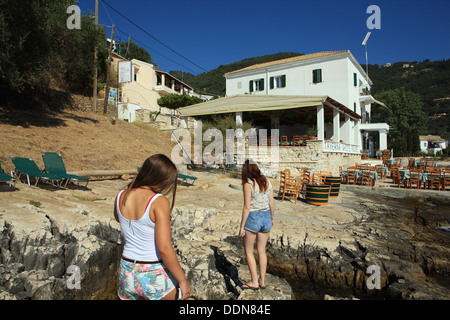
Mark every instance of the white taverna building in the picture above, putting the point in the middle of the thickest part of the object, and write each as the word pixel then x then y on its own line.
pixel 328 91
pixel 334 74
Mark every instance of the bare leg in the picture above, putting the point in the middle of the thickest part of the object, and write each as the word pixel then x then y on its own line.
pixel 249 245
pixel 261 241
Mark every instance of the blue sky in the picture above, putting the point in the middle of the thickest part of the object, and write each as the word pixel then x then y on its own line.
pixel 213 33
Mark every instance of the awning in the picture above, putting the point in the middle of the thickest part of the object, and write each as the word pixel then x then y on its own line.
pixel 246 103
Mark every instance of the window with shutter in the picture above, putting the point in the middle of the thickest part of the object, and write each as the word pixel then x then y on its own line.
pixel 257 85
pixel 278 82
pixel 317 75
pixel 355 79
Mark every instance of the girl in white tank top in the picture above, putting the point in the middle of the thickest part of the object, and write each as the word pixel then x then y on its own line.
pixel 149 268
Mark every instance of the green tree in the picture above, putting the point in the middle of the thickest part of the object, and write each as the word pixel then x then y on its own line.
pixel 37 45
pixel 133 51
pixel 404 113
pixel 175 101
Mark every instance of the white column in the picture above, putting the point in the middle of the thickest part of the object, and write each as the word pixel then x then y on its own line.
pixel 336 126
pixel 320 122
pixel 358 135
pixel 349 138
pixel 238 119
pixel 383 139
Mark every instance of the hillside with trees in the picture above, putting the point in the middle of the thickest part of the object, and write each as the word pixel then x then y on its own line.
pixel 213 82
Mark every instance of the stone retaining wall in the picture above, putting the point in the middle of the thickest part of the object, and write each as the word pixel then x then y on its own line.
pixel 310 157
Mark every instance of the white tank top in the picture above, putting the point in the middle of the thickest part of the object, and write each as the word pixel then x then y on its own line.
pixel 139 235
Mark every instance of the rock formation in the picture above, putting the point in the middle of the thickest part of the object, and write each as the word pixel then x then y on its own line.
pixel 314 252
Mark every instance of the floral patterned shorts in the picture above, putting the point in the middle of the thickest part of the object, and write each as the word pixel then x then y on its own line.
pixel 144 281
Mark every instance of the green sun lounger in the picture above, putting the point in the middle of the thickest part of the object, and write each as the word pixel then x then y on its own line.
pixel 6 178
pixel 29 168
pixel 185 178
pixel 54 164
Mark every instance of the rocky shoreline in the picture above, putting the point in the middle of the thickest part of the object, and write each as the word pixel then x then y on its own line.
pixel 314 252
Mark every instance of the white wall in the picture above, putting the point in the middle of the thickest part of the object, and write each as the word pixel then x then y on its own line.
pixel 127 111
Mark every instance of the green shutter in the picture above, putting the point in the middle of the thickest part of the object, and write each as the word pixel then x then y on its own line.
pixel 317 75
pixel 355 79
pixel 261 87
pixel 251 85
pixel 283 81
pixel 271 82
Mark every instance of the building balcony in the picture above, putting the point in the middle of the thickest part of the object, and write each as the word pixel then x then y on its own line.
pixel 163 90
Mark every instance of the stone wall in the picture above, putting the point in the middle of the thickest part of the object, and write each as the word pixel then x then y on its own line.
pixel 309 157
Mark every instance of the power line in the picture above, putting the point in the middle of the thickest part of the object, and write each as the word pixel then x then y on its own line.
pixel 154 38
pixel 144 45
pixel 137 41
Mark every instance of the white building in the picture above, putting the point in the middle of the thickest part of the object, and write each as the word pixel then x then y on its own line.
pixel 139 98
pixel 334 74
pixel 432 144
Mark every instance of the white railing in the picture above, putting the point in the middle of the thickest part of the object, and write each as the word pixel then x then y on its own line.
pixel 332 146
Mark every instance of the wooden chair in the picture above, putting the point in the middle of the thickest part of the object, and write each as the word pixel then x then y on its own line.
pixel 411 163
pixel 272 141
pixel 326 173
pixel 291 189
pixel 429 163
pixel 435 180
pixel 445 180
pixel 414 178
pixel 304 138
pixel 365 177
pixel 397 177
pixel 282 182
pixel 351 176
pixel 305 178
pixel 379 170
pixel 364 154
pixel 284 141
pixel 317 178
pixel 297 141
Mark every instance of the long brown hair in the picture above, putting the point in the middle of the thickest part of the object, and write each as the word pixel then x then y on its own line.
pixel 250 171
pixel 158 173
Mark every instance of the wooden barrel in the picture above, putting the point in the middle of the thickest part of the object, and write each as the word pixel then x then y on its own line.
pixel 335 185
pixel 317 194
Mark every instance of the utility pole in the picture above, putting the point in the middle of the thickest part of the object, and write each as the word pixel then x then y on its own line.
pixel 95 61
pixel 105 105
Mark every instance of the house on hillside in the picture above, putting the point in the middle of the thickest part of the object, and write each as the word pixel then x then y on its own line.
pixel 138 99
pixel 335 74
pixel 432 144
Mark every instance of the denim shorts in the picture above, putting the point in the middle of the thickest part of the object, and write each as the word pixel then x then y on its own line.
pixel 258 221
